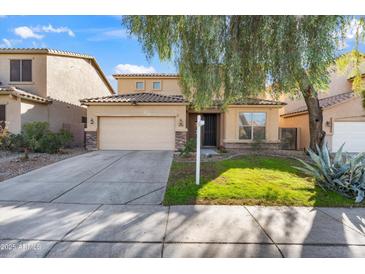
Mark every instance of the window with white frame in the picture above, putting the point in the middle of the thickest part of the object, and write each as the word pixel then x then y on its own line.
pixel 20 70
pixel 252 125
pixel 156 85
pixel 140 85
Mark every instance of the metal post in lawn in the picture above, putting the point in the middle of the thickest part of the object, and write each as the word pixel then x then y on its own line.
pixel 199 124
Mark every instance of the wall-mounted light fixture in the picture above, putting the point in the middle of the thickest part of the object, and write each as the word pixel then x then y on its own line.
pixel 91 121
pixel 181 123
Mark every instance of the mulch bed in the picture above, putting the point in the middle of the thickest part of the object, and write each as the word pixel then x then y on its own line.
pixel 12 164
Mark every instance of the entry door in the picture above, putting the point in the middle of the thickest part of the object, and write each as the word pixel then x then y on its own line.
pixel 210 130
pixel 2 116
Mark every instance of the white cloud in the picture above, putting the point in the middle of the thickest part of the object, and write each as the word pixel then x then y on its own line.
pixel 50 28
pixel 26 32
pixel 128 68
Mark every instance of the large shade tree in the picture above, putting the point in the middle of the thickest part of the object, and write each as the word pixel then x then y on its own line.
pixel 246 55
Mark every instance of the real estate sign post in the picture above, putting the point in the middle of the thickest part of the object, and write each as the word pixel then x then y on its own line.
pixel 199 124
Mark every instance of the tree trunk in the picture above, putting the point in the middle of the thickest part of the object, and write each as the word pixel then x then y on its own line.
pixel 315 115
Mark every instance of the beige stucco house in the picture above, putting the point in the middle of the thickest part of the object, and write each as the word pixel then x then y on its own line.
pixel 343 116
pixel 150 113
pixel 46 85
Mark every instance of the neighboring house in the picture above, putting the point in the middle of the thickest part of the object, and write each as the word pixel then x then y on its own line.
pixel 46 85
pixel 150 113
pixel 343 116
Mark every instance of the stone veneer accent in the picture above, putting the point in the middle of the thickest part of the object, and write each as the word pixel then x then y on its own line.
pixel 180 139
pixel 91 140
pixel 249 146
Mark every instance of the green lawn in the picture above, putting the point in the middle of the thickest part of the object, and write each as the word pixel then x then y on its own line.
pixel 248 180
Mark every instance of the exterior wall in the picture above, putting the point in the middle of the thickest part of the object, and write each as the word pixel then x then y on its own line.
pixel 12 112
pixel 180 139
pixel 231 125
pixel 58 114
pixel 71 79
pixel 39 73
pixel 95 111
pixel 301 122
pixel 67 116
pixel 169 86
pixel 31 111
pixel 351 110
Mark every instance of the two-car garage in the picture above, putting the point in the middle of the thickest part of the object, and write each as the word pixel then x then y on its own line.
pixel 137 133
pixel 139 121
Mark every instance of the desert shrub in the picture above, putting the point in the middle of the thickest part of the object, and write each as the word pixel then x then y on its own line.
pixel 4 139
pixel 37 137
pixel 341 173
pixel 188 148
pixel 52 142
pixel 65 137
pixel 33 133
pixel 9 141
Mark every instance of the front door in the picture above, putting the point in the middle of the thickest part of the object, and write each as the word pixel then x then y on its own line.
pixel 209 130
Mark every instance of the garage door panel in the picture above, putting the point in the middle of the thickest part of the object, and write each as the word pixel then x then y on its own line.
pixel 350 133
pixel 137 133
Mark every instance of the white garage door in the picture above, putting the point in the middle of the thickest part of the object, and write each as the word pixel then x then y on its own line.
pixel 137 133
pixel 350 133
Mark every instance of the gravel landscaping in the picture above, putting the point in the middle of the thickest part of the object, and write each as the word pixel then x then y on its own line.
pixel 12 164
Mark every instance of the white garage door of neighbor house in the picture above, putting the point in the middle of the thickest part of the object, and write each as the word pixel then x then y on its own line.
pixel 350 133
pixel 137 133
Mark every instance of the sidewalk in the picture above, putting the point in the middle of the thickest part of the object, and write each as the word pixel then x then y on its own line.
pixel 77 230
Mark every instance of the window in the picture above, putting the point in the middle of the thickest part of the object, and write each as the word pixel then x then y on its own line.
pixel 252 125
pixel 139 85
pixel 2 116
pixel 20 70
pixel 156 85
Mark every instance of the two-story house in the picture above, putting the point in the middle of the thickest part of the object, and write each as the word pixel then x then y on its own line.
pixel 150 113
pixel 343 116
pixel 46 85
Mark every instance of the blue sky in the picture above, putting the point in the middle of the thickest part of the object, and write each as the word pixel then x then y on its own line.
pixel 100 36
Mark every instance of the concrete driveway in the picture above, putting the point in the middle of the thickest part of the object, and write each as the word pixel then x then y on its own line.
pixel 100 177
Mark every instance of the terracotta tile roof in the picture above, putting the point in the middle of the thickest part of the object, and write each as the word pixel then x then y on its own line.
pixel 119 75
pixel 59 53
pixel 145 97
pixel 256 101
pixel 325 102
pixel 23 94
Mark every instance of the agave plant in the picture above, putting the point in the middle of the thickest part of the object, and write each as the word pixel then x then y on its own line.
pixel 341 172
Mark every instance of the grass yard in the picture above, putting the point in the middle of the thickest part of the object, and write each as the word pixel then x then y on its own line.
pixel 247 180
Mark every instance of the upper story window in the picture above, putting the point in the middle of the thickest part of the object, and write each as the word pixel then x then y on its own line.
pixel 156 85
pixel 20 70
pixel 140 85
pixel 252 125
